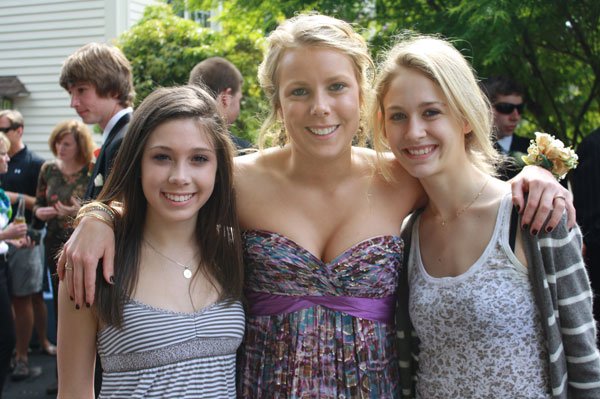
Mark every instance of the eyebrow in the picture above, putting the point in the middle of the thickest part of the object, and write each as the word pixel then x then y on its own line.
pixel 334 78
pixel 194 149
pixel 423 104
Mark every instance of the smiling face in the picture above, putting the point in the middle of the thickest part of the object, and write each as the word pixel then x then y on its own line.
pixel 319 100
pixel 91 107
pixel 423 133
pixel 178 171
pixel 66 148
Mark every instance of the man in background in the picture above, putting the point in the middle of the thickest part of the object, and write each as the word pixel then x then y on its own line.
pixel 506 97
pixel 98 78
pixel 225 82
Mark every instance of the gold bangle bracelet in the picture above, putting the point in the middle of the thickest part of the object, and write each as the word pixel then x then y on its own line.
pixel 94 215
pixel 97 206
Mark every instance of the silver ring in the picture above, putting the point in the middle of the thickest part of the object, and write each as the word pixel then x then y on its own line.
pixel 67 267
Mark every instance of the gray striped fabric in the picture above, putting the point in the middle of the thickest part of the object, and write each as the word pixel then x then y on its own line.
pixel 165 354
pixel 564 297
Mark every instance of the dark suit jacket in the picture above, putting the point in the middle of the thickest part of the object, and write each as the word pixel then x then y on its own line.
pixel 586 188
pixel 107 156
pixel 508 169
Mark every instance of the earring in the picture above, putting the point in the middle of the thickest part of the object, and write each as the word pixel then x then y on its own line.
pixel 360 138
pixel 282 136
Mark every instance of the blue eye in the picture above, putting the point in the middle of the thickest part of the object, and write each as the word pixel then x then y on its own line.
pixel 299 92
pixel 337 86
pixel 432 112
pixel 397 116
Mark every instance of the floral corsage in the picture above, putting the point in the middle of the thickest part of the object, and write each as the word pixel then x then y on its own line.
pixel 550 153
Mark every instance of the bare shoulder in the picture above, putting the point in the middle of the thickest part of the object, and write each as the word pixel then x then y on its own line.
pixel 389 183
pixel 398 182
pixel 253 170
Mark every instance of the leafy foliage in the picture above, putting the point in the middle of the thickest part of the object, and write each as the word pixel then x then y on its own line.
pixel 163 48
pixel 553 48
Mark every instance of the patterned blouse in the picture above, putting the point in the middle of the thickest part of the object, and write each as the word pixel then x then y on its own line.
pixel 52 187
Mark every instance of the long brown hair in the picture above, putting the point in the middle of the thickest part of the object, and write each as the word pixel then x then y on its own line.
pixel 217 228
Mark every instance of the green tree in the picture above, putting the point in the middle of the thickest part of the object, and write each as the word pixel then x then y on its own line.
pixel 163 49
pixel 264 16
pixel 552 47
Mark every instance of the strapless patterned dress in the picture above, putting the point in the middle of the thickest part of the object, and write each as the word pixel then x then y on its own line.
pixel 316 329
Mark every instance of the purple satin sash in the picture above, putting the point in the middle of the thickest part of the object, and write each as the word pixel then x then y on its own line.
pixel 375 309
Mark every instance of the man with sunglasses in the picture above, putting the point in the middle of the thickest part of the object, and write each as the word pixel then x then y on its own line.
pixel 506 97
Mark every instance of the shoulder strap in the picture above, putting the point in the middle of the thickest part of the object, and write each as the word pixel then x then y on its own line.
pixel 514 224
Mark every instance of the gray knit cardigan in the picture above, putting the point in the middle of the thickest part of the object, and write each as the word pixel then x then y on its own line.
pixel 562 293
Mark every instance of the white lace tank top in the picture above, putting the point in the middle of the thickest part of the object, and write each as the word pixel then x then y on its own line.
pixel 481 334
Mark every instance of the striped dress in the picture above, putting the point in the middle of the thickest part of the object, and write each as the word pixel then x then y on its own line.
pixel 165 354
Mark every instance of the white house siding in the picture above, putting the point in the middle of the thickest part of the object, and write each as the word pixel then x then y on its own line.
pixel 36 36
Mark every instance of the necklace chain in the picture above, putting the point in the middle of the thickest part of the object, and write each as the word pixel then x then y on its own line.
pixel 460 212
pixel 187 273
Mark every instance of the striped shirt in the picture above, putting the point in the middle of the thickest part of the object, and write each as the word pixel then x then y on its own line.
pixel 164 354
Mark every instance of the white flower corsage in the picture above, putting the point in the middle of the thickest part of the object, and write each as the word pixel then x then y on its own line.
pixel 99 180
pixel 550 153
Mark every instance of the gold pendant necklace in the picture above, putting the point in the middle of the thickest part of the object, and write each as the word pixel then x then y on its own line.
pixel 458 213
pixel 187 273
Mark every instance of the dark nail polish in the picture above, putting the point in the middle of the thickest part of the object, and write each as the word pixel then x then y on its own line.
pixel 525 226
pixel 87 305
pixel 534 232
pixel 112 279
pixel 77 307
pixel 549 229
pixel 71 297
pixel 518 209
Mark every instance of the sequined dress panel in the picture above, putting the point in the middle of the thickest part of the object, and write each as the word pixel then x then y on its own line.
pixel 165 354
pixel 319 352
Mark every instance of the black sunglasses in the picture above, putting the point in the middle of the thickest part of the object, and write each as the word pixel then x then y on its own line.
pixel 6 129
pixel 508 108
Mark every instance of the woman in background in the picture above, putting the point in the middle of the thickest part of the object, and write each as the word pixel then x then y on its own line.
pixel 61 185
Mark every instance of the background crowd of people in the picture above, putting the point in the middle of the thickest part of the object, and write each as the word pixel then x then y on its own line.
pixel 314 226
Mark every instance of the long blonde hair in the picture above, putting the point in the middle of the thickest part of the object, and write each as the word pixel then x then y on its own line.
pixel 445 65
pixel 311 30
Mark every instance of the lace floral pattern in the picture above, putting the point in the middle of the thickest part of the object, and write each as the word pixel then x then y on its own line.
pixel 481 334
